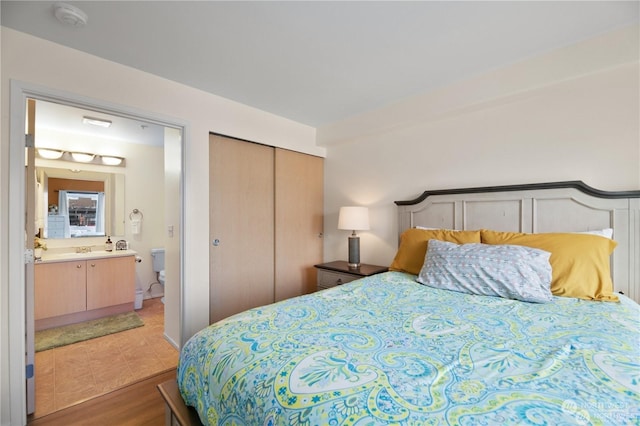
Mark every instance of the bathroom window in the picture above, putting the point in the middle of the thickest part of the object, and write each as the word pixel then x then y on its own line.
pixel 83 213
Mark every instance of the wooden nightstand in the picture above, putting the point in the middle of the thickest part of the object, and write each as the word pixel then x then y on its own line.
pixel 336 273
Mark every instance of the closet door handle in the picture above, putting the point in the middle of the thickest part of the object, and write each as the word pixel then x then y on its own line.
pixel 215 242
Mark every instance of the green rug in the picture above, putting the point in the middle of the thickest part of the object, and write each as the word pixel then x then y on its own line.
pixel 73 333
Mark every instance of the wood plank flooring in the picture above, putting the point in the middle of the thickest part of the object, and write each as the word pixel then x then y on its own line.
pixel 139 404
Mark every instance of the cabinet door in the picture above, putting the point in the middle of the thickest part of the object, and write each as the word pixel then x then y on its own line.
pixel 241 223
pixel 299 222
pixel 60 289
pixel 110 282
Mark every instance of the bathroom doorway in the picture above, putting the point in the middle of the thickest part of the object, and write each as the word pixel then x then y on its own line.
pixel 172 140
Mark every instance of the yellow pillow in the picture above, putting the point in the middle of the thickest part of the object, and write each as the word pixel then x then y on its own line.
pixel 579 262
pixel 413 246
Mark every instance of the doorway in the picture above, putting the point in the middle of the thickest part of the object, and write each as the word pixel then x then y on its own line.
pixel 20 290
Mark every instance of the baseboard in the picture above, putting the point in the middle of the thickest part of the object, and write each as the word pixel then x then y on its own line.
pixel 171 341
pixel 44 323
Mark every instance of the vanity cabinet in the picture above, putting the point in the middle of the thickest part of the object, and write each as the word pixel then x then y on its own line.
pixel 80 290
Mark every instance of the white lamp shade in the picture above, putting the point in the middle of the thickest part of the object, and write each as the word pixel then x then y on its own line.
pixel 111 161
pixel 353 218
pixel 82 157
pixel 50 154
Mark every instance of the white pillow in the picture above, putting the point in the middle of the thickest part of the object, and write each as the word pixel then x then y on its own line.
pixel 607 232
pixel 508 271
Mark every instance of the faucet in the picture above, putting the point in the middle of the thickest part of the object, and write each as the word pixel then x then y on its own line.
pixel 85 249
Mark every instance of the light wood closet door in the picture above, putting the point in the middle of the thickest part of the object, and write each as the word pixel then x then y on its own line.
pixel 299 222
pixel 241 215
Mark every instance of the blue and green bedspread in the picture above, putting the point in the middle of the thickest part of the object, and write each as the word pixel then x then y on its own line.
pixel 387 350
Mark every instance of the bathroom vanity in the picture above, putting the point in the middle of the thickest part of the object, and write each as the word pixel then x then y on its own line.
pixel 75 287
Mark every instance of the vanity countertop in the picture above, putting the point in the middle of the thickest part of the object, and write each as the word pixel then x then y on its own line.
pixel 51 256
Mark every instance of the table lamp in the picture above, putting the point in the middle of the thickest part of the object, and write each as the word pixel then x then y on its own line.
pixel 354 219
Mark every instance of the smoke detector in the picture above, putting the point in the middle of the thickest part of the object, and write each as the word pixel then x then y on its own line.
pixel 69 15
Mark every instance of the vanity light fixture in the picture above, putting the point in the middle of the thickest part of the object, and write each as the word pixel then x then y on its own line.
pixel 111 161
pixel 82 157
pixel 50 154
pixel 100 122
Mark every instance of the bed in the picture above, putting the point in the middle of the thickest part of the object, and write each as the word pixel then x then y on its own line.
pixel 403 347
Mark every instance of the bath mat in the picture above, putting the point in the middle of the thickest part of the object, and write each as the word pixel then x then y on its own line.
pixel 74 333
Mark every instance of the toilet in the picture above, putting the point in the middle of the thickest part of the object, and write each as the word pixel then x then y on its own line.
pixel 158 266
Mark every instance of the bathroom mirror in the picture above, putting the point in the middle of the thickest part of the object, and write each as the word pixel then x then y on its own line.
pixel 92 203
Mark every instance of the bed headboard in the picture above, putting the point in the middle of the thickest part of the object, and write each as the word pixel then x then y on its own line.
pixel 545 207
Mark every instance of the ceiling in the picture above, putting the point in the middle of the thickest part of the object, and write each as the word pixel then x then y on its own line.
pixel 68 119
pixel 321 62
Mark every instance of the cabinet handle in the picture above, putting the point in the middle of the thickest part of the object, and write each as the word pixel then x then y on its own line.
pixel 93 265
pixel 78 266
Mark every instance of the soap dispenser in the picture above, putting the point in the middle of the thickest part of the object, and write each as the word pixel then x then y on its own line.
pixel 108 246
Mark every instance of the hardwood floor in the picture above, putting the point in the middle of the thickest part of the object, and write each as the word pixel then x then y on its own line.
pixel 139 404
pixel 75 373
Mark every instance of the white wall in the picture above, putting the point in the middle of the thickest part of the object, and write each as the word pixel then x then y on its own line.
pixel 38 62
pixel 572 114
pixel 173 213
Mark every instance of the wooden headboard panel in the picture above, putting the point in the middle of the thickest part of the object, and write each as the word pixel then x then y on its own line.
pixel 546 207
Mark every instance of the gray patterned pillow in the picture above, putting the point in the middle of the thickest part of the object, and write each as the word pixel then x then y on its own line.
pixel 508 271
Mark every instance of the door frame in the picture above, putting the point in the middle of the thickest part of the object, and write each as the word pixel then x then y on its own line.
pixel 16 326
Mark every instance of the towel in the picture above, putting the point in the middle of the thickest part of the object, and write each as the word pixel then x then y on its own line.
pixel 136 226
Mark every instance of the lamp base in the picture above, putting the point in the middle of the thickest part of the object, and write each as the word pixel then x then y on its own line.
pixel 354 252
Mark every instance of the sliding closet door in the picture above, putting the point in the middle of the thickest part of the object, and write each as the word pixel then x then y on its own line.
pixel 241 218
pixel 299 213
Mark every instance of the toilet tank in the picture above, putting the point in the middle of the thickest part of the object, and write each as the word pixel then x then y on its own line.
pixel 157 255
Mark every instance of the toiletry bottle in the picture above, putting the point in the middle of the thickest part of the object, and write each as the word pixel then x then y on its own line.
pixel 108 246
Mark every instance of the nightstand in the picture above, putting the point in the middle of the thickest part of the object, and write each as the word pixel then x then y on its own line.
pixel 336 273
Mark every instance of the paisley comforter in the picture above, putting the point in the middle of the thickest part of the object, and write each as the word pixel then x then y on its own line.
pixel 387 350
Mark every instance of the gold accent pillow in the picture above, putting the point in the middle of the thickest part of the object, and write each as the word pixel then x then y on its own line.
pixel 413 246
pixel 580 263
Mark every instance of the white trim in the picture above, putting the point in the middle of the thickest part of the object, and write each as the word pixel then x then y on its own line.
pixel 16 246
pixel 171 341
pixel 20 91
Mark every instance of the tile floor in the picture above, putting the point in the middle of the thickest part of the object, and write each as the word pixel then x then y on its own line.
pixel 74 373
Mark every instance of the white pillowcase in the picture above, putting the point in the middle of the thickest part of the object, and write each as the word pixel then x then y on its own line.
pixel 607 232
pixel 508 271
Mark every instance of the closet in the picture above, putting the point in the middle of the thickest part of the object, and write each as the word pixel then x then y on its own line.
pixel 265 222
